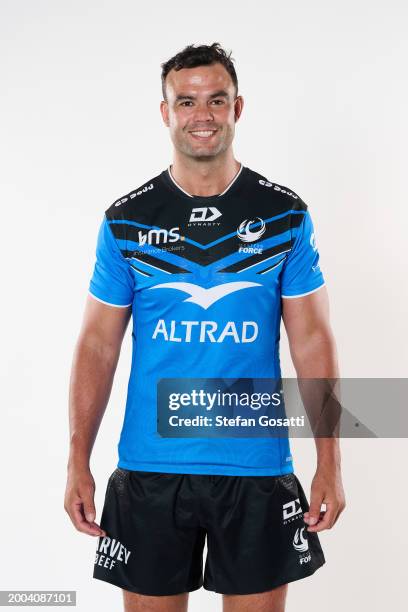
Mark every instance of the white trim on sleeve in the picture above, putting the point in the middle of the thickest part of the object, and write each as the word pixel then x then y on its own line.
pixel 108 303
pixel 302 294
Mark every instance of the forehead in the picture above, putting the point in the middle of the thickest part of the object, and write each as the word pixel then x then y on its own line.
pixel 200 80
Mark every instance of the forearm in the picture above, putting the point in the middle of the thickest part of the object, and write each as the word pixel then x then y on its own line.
pixel 317 370
pixel 315 356
pixel 91 381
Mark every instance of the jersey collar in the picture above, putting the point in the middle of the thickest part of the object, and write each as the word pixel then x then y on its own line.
pixel 169 174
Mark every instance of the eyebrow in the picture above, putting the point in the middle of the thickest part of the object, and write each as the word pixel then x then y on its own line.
pixel 218 94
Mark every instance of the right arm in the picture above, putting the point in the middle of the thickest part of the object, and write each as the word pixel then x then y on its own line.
pixel 94 363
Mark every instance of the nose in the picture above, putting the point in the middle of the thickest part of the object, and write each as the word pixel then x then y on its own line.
pixel 202 112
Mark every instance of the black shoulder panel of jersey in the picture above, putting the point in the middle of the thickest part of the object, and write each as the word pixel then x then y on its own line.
pixel 136 204
pixel 283 197
pixel 123 207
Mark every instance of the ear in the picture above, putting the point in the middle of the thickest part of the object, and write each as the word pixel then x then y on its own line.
pixel 164 109
pixel 238 106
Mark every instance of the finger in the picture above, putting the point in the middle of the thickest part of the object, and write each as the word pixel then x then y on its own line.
pixel 320 517
pixel 312 516
pixel 101 532
pixel 89 512
pixel 339 511
pixel 89 509
pixel 326 521
pixel 80 522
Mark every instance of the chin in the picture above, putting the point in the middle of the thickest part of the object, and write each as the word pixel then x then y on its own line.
pixel 199 153
pixel 206 151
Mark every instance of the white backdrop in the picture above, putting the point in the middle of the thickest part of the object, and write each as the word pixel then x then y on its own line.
pixel 325 114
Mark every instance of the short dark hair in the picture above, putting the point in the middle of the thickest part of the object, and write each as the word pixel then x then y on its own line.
pixel 203 55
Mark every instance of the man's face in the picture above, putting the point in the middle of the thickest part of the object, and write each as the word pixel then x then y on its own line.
pixel 201 110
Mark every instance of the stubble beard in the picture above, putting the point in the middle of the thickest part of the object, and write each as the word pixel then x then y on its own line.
pixel 204 154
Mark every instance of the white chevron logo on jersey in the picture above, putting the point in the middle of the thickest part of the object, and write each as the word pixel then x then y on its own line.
pixel 206 297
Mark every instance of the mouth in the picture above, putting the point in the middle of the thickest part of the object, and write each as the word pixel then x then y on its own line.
pixel 203 135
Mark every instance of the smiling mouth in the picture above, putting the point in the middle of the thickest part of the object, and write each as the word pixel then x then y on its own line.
pixel 203 134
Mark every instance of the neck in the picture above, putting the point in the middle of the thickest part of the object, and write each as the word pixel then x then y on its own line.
pixel 204 177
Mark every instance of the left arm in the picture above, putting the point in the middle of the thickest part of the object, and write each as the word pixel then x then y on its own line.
pixel 314 355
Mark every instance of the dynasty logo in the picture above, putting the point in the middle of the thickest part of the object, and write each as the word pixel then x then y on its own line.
pixel 205 216
pixel 291 511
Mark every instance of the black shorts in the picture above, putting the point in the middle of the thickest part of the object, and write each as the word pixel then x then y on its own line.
pixel 156 525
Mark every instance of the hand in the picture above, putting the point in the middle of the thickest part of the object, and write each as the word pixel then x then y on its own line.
pixel 79 501
pixel 327 488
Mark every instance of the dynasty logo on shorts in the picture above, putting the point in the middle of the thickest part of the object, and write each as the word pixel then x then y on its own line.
pixel 301 545
pixel 112 551
pixel 292 511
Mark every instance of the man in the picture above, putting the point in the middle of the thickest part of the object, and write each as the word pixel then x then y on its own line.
pixel 207 256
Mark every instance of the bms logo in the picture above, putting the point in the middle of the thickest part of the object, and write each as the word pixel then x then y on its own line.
pixel 155 236
pixel 246 235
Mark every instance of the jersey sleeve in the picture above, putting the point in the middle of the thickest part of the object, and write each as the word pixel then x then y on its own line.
pixel 112 281
pixel 301 273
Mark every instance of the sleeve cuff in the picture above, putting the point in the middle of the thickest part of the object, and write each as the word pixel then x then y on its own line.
pixel 302 294
pixel 109 303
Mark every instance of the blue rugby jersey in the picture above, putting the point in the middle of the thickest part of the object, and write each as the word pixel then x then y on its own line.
pixel 204 277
